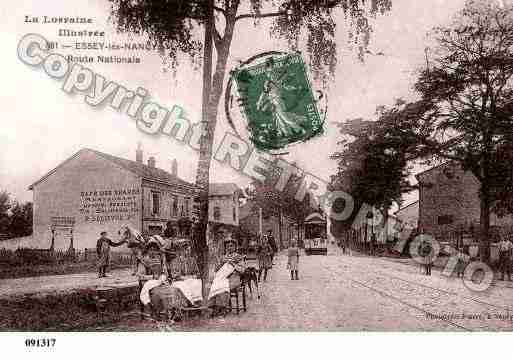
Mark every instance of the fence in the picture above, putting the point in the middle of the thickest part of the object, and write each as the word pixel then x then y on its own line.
pixel 365 240
pixel 31 256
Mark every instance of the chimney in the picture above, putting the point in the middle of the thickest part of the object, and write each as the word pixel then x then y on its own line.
pixel 151 161
pixel 139 153
pixel 174 168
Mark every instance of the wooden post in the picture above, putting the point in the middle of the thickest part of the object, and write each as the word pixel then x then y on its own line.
pixel 260 221
pixel 53 239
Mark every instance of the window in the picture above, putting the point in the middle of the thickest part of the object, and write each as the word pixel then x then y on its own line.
pixel 155 196
pixel 174 206
pixel 217 213
pixel 445 219
pixel 234 214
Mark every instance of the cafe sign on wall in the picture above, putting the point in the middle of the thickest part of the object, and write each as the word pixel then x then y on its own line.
pixel 109 205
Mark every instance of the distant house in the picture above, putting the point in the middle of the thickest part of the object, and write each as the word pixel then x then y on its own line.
pixel 449 202
pixel 92 191
pixel 224 203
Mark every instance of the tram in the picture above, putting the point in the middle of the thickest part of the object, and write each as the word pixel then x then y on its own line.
pixel 316 239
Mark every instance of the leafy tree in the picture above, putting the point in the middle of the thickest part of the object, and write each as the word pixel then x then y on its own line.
pixel 373 165
pixel 173 25
pixel 5 205
pixel 21 219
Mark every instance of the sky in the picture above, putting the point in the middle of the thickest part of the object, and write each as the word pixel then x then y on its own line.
pixel 42 125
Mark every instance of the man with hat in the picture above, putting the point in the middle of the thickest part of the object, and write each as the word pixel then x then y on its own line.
pixel 505 249
pixel 103 250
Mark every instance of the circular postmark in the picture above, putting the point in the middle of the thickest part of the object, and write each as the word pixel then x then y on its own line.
pixel 269 101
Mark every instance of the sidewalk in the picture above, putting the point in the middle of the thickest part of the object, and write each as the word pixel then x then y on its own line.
pixel 63 283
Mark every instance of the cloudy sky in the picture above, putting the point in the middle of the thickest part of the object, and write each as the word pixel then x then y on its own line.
pixel 42 125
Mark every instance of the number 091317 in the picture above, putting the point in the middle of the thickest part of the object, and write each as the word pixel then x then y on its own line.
pixel 40 343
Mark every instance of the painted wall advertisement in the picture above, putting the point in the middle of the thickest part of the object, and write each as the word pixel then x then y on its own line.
pixel 109 205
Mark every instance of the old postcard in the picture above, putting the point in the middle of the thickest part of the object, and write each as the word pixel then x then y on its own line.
pixel 262 166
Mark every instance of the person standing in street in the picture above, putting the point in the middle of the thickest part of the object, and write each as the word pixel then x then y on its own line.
pixel 272 242
pixel 293 260
pixel 461 264
pixel 425 254
pixel 103 250
pixel 342 244
pixel 505 249
pixel 264 253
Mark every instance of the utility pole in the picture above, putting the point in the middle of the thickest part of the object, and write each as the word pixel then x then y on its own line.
pixel 260 221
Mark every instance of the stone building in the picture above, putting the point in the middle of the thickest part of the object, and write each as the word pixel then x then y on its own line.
pixel 224 200
pixel 449 202
pixel 93 191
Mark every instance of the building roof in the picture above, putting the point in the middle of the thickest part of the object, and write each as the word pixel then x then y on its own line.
pixel 452 163
pixel 139 169
pixel 222 189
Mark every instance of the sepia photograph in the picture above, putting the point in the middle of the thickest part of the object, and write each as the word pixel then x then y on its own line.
pixel 220 166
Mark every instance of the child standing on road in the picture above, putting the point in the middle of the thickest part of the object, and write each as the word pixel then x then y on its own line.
pixel 293 260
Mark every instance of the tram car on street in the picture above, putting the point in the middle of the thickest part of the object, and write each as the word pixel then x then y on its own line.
pixel 316 239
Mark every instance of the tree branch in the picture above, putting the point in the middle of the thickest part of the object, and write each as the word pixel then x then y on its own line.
pixel 260 16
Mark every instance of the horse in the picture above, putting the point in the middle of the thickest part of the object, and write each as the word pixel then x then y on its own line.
pixel 135 241
pixel 140 245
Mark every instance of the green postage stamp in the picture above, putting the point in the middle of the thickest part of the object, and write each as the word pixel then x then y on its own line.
pixel 278 102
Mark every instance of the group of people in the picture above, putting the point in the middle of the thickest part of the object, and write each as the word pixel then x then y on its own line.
pixel 140 255
pixel 266 250
pixel 505 249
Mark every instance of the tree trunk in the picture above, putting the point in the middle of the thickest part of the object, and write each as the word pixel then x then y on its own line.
pixel 52 246
pixel 485 222
pixel 212 90
pixel 202 174
pixel 485 196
